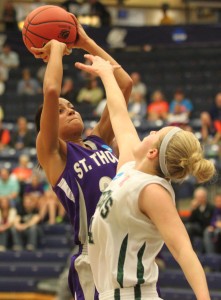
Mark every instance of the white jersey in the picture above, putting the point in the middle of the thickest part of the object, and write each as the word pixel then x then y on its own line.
pixel 123 242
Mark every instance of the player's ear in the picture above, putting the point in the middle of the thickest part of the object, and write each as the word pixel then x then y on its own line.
pixel 152 153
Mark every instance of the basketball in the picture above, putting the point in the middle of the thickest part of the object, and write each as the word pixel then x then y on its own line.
pixel 46 23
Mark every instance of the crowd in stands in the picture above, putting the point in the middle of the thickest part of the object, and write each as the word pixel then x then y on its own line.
pixel 204 221
pixel 23 183
pixel 26 199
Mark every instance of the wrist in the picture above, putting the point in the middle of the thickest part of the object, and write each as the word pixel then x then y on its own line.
pixel 89 45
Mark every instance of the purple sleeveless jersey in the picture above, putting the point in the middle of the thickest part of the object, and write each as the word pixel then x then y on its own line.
pixel 87 173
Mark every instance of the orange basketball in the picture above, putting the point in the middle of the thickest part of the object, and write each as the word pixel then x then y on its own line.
pixel 46 23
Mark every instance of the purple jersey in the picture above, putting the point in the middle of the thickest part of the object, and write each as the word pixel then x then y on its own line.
pixel 87 173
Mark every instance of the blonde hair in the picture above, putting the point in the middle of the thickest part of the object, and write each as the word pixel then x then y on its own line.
pixel 184 156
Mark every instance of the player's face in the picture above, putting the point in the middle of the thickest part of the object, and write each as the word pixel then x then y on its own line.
pixel 70 121
pixel 151 141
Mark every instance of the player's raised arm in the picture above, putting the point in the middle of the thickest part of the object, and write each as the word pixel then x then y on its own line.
pixel 48 142
pixel 123 79
pixel 124 130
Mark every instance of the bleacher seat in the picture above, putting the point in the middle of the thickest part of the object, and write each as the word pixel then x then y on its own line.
pixel 21 271
pixel 176 294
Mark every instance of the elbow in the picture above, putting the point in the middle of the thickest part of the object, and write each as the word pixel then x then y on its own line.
pixel 129 84
pixel 51 91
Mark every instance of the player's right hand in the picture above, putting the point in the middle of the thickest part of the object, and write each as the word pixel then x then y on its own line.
pixel 44 52
pixel 82 37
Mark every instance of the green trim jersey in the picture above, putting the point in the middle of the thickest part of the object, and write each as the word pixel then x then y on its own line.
pixel 123 242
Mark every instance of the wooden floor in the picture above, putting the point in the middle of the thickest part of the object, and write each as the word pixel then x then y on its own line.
pixel 25 296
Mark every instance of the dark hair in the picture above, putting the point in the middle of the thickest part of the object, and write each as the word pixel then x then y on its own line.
pixel 38 118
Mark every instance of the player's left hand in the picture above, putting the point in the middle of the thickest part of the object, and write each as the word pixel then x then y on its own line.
pixel 98 67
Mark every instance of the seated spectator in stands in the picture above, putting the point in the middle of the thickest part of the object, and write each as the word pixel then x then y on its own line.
pixel 3 76
pixel 201 213
pixel 180 110
pixel 7 217
pixel 23 171
pixel 91 93
pixel 41 73
pixel 212 234
pixel 28 85
pixel 9 16
pixel 100 108
pixel 50 209
pixel 137 107
pixel 25 232
pixel 2 87
pixel 4 136
pixel 68 90
pixel 9 57
pixel 9 187
pixel 138 86
pixel 1 113
pixel 83 76
pixel 4 72
pixel 35 188
pixel 22 137
pixel 211 122
pixel 45 199
pixel 166 19
pixel 98 9
pixel 158 108
pixel 72 6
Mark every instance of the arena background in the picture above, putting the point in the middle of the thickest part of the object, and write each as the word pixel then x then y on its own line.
pixel 186 54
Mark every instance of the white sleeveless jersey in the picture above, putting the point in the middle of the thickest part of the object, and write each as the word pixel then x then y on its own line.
pixel 123 242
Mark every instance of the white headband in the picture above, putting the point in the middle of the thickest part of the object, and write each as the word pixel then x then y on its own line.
pixel 163 148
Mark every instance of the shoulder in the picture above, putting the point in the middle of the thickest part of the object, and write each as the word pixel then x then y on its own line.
pixel 95 142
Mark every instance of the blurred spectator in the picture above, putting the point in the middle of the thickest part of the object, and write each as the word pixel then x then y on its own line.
pixel 158 108
pixel 50 208
pixel 72 6
pixel 1 113
pixel 137 107
pixel 100 107
pixel 28 85
pixel 68 89
pixel 9 16
pixel 22 137
pixel 212 233
pixel 7 217
pixel 2 87
pixel 35 188
pixel 180 110
pixel 83 76
pixel 91 93
pixel 23 171
pixel 9 57
pixel 41 73
pixel 3 71
pixel 9 187
pixel 5 136
pixel 201 213
pixel 139 87
pixel 98 9
pixel 166 19
pixel 3 77
pixel 211 121
pixel 25 232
